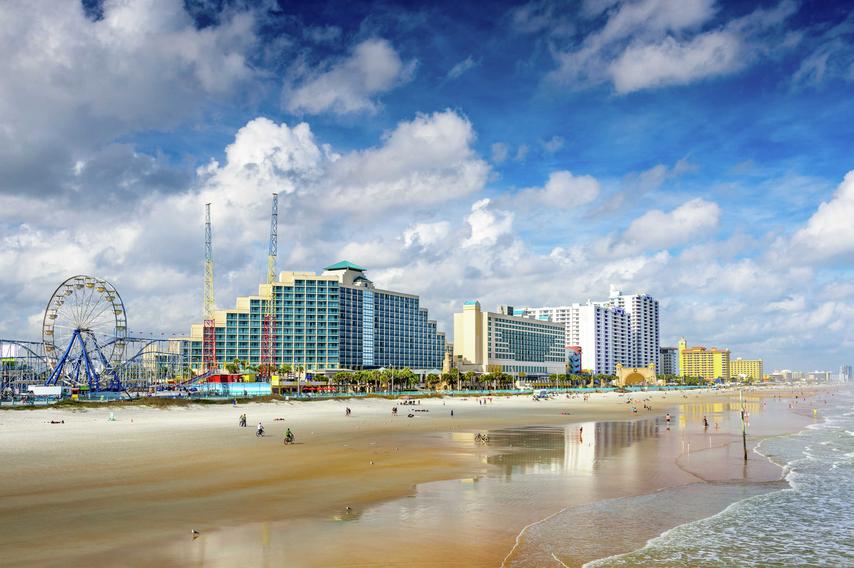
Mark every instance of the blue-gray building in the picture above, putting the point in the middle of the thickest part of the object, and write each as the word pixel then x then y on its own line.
pixel 335 320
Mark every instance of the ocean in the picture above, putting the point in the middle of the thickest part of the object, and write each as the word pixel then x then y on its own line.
pixel 809 522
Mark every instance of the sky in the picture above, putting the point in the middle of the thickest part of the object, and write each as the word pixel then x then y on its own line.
pixel 516 153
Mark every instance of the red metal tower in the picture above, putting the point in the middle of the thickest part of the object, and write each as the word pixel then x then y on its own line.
pixel 209 326
pixel 268 323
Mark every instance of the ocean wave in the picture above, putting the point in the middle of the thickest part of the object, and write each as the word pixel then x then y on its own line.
pixel 808 518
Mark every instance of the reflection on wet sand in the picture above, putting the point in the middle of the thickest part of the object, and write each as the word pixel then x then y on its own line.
pixel 575 448
pixel 533 472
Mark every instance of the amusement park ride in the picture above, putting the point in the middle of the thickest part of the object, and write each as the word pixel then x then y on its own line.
pixel 85 343
pixel 85 321
pixel 85 339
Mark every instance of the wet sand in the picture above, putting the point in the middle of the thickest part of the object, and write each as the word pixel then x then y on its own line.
pixel 128 492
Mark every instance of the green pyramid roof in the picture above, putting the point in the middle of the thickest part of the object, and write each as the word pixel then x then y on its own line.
pixel 345 265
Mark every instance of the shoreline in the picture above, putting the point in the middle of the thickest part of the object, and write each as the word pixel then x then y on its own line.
pixel 426 456
pixel 783 484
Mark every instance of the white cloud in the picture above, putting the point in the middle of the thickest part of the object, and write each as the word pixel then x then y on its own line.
pixel 542 16
pixel 499 152
pixel 426 234
pixel 553 144
pixel 653 43
pixel 487 225
pixel 674 62
pixel 562 190
pixel 68 78
pixel 829 233
pixel 795 303
pixel 657 229
pixel 266 157
pixel 424 161
pixel 463 66
pixel 322 34
pixel 833 57
pixel 377 253
pixel 592 8
pixel 351 84
pixel 521 153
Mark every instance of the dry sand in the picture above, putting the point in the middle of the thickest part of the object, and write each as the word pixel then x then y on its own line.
pixel 128 492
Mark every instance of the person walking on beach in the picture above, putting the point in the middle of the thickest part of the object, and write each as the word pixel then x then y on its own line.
pixel 347 411
pixel 260 430
pixel 705 423
pixel 667 420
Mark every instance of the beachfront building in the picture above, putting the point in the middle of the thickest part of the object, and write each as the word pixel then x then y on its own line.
pixel 599 330
pixel 335 320
pixel 501 341
pixel 669 357
pixel 706 363
pixel 745 369
pixel 644 334
pixel 573 359
pixel 819 376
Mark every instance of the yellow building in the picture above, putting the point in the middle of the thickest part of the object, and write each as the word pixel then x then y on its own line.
pixel 746 369
pixel 707 363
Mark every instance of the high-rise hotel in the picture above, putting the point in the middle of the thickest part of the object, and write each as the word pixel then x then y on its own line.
pixel 600 332
pixel 624 329
pixel 335 320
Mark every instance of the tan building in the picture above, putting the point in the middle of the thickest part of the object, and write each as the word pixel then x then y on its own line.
pixel 488 341
pixel 746 369
pixel 706 363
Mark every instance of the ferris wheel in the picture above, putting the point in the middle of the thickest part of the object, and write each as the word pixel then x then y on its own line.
pixel 84 331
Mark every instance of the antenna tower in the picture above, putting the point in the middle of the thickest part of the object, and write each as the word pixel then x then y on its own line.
pixel 268 322
pixel 209 326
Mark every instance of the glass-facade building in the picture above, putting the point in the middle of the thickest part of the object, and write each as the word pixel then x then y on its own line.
pixel 335 320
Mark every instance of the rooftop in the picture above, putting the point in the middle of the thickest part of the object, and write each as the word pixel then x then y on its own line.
pixel 345 265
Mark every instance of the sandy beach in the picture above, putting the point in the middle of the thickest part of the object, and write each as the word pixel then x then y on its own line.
pixel 374 489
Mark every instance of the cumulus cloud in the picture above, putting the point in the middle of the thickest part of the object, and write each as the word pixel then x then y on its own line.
pixel 659 229
pixel 266 157
pixel 426 234
pixel 351 84
pixel 829 233
pixel 69 78
pixel 422 162
pixel 563 190
pixel 425 161
pixel 488 225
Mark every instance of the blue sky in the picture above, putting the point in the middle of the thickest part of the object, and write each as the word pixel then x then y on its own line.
pixel 526 153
